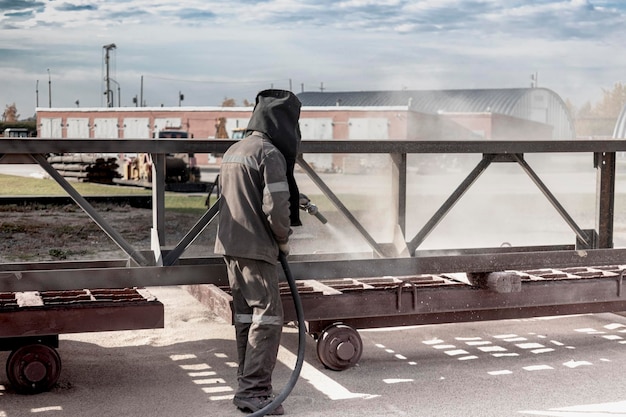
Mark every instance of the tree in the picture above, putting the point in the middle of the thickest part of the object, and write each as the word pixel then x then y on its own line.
pixel 612 101
pixel 10 114
pixel 600 119
pixel 229 102
pixel 585 111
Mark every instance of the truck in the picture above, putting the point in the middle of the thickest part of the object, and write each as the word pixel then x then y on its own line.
pixel 182 172
pixel 17 132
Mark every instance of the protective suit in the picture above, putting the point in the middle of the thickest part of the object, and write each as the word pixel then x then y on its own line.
pixel 256 180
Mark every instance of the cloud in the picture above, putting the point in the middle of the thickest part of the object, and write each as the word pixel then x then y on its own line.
pixel 8 5
pixel 14 12
pixel 20 15
pixel 215 48
pixel 69 7
pixel 198 14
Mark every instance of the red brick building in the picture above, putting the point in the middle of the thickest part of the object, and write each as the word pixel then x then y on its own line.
pixel 392 115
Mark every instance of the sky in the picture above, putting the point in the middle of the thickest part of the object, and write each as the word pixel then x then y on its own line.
pixel 53 52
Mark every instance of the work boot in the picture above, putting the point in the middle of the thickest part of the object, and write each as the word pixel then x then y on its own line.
pixel 253 404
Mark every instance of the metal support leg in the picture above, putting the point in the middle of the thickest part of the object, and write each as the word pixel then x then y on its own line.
pixel 398 184
pixel 605 194
pixel 157 238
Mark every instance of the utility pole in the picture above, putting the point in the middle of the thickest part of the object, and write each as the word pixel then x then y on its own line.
pixel 534 80
pixel 49 89
pixel 108 91
pixel 37 94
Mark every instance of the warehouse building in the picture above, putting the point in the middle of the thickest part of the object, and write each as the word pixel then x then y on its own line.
pixel 497 114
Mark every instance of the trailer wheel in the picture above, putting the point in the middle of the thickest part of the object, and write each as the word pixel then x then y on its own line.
pixel 33 368
pixel 339 347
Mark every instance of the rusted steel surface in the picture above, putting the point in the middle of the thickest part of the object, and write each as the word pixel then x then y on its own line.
pixel 26 314
pixel 427 299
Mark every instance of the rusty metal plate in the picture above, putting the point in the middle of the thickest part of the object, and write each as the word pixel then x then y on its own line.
pixel 90 310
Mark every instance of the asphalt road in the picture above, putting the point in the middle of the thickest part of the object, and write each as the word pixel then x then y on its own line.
pixel 561 366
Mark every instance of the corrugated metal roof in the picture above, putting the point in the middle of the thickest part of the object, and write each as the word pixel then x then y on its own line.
pixel 535 104
pixel 428 101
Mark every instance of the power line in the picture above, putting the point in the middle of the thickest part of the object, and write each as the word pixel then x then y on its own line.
pixel 216 82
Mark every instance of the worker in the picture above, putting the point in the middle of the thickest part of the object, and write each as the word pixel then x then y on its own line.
pixel 259 204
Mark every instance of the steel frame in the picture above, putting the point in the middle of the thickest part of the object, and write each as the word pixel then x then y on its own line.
pixel 167 267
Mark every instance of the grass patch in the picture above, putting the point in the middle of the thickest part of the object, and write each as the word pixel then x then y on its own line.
pixel 18 186
pixel 61 254
pixel 15 185
pixel 190 204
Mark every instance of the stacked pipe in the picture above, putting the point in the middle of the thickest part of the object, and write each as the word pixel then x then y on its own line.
pixel 86 168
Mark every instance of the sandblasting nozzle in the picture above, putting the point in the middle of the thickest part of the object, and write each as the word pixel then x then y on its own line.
pixel 306 205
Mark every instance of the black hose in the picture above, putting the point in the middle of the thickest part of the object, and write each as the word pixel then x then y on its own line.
pixel 295 374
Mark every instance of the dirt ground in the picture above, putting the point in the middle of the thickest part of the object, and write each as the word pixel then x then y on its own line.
pixel 35 233
pixel 52 232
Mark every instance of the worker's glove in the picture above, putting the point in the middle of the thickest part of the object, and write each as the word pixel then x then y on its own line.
pixel 303 201
pixel 284 248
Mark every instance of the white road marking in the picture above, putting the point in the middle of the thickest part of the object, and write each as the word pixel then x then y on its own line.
pixel 467 358
pixel 479 343
pixel 614 326
pixel 319 380
pixel 516 339
pixel 456 352
pixel 530 345
pixel 432 341
pixel 538 368
pixel 182 357
pixel 201 374
pixel 195 367
pixel 502 372
pixel 396 380
pixel 489 349
pixel 575 364
pixel 589 331
pixel 543 350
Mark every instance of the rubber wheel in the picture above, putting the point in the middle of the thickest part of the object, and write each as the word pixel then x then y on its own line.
pixel 32 369
pixel 339 347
